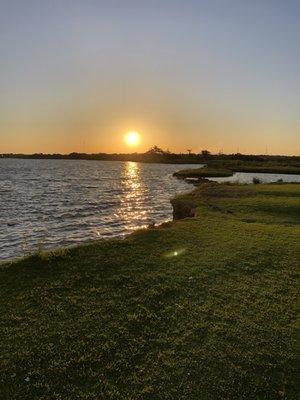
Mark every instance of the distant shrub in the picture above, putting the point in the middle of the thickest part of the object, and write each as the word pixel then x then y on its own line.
pixel 256 181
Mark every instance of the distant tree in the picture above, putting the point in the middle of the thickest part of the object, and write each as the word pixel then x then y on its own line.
pixel 205 153
pixel 156 150
pixel 189 151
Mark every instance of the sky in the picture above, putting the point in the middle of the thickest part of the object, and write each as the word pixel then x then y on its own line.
pixel 222 75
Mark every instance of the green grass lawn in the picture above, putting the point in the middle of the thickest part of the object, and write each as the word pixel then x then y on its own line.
pixel 202 309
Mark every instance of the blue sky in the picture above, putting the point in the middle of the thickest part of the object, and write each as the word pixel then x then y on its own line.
pixel 186 74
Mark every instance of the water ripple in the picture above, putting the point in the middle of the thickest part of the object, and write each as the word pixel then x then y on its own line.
pixel 53 203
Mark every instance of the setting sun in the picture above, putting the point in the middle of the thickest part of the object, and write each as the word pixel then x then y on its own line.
pixel 132 138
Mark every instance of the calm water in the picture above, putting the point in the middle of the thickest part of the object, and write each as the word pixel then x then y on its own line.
pixel 52 203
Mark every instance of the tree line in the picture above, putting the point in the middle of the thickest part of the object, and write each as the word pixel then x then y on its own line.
pixel 158 155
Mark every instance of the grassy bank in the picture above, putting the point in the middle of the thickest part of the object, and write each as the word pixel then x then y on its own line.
pixel 204 172
pixel 269 169
pixel 203 308
pixel 224 169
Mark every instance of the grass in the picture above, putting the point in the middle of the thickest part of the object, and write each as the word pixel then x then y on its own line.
pixel 204 172
pixel 227 168
pixel 270 169
pixel 203 308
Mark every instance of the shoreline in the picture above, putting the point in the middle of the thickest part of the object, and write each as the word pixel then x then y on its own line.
pixel 179 211
pixel 159 310
pixel 163 157
pixel 224 172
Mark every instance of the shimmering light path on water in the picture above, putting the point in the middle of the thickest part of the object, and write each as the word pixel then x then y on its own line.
pixel 53 203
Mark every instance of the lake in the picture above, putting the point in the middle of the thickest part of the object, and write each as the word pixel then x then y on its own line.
pixel 52 203
pixel 47 204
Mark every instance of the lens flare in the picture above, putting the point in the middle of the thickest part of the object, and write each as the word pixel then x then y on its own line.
pixel 174 253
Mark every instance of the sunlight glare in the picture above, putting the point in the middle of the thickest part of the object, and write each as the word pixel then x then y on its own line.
pixel 132 138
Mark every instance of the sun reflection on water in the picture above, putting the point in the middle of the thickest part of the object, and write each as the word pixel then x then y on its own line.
pixel 134 191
